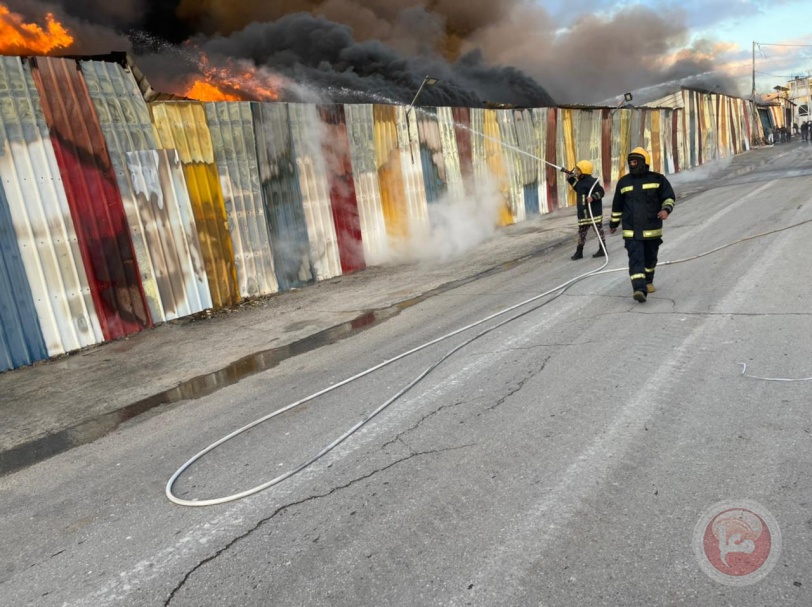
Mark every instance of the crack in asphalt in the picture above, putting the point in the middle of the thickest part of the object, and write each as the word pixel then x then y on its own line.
pixel 424 418
pixel 310 498
pixel 520 385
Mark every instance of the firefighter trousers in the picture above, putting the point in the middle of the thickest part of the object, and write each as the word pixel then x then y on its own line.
pixel 642 261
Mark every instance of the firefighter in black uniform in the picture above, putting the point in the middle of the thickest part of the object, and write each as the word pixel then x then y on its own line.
pixel 589 192
pixel 643 200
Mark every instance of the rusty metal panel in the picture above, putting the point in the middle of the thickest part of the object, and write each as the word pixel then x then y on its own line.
pixel 308 134
pixel 21 341
pixel 462 133
pixel 361 134
pixel 432 159
pixel 451 152
pixel 607 166
pixel 343 200
pixel 181 125
pixel 235 153
pixel 124 119
pixel 279 177
pixel 390 173
pixel 41 216
pixel 93 197
pixel 551 152
pixel 165 213
pixel 414 187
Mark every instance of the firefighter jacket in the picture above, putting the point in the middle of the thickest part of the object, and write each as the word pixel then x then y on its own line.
pixel 638 199
pixel 582 187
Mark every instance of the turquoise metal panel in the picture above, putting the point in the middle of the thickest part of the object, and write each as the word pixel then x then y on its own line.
pixel 21 341
pixel 282 196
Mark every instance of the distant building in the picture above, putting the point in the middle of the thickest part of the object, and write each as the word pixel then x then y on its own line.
pixel 800 94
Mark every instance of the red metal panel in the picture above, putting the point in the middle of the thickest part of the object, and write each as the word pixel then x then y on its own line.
pixel 606 147
pixel 462 132
pixel 675 151
pixel 343 201
pixel 550 152
pixel 93 197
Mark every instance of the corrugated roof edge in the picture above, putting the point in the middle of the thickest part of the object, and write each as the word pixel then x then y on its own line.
pixel 126 60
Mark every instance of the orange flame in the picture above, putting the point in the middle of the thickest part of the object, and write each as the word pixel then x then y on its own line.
pixel 20 38
pixel 235 81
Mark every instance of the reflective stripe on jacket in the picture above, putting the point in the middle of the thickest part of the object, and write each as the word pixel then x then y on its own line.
pixel 582 187
pixel 638 199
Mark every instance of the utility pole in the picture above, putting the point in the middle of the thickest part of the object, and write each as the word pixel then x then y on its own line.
pixel 754 72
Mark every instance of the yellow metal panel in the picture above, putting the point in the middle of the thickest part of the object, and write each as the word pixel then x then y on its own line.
pixel 182 126
pixel 495 163
pixel 569 150
pixel 390 175
pixel 656 142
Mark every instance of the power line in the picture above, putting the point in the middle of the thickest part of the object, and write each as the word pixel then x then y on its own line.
pixel 771 44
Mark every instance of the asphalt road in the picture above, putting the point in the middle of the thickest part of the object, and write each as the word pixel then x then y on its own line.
pixel 566 458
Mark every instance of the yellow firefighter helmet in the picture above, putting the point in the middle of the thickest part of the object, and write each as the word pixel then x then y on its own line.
pixel 638 151
pixel 585 167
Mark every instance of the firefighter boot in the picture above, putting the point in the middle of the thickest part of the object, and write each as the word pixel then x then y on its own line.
pixel 650 288
pixel 579 253
pixel 639 297
pixel 600 252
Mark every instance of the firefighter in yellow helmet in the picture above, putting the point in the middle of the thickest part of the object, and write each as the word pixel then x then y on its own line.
pixel 643 200
pixel 589 192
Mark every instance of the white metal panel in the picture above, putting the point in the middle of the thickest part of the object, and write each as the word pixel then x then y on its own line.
pixel 308 132
pixel 125 122
pixel 412 167
pixel 42 220
pixel 451 156
pixel 540 123
pixel 165 212
pixel 367 187
pixel 513 161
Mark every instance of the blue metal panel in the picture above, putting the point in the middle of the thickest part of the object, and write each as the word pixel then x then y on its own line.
pixel 21 341
pixel 431 155
pixel 531 198
pixel 282 196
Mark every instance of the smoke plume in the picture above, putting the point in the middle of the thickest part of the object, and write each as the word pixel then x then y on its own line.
pixel 511 52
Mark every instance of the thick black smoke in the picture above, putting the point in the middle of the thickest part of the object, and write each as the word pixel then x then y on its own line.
pixel 325 56
pixel 510 51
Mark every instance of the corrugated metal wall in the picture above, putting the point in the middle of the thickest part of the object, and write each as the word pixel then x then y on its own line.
pixel 363 155
pixel 432 159
pixel 165 211
pixel 182 126
pixel 307 133
pixel 21 341
pixel 343 200
pixel 124 119
pixel 247 199
pixel 42 222
pixel 93 197
pixel 235 153
pixel 279 178
pixel 390 173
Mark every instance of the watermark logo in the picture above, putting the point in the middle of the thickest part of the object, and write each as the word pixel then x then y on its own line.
pixel 737 542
